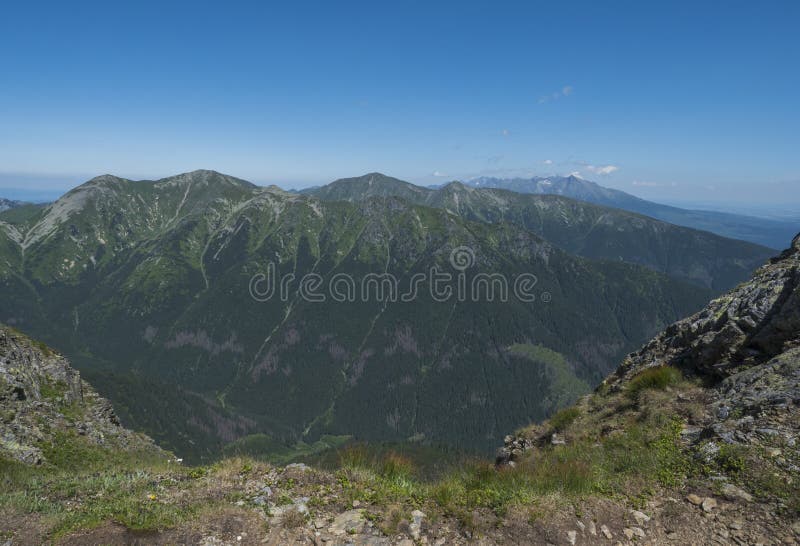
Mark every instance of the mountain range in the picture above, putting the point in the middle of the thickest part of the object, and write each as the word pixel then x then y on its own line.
pixel 148 287
pixel 6 204
pixel 775 234
pixel 579 227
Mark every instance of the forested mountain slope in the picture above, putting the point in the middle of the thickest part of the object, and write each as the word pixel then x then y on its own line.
pixel 147 286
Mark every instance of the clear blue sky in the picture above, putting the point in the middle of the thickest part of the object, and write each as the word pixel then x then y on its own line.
pixel 683 101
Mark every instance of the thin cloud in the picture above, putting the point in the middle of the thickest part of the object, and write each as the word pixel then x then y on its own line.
pixel 548 161
pixel 602 170
pixel 438 174
pixel 494 159
pixel 565 91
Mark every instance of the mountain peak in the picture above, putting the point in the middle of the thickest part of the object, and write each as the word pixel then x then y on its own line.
pixel 457 185
pixel 373 184
pixel 207 177
pixel 105 180
pixel 375 178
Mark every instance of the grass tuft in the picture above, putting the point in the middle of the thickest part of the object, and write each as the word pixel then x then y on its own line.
pixel 564 418
pixel 658 378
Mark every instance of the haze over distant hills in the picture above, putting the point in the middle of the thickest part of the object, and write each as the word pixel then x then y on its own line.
pixel 771 233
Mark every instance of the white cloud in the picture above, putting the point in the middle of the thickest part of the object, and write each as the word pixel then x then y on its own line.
pixel 548 161
pixel 576 174
pixel 438 174
pixel 565 91
pixel 602 170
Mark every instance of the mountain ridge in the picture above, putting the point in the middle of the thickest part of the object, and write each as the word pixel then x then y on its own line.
pixel 582 228
pixel 772 233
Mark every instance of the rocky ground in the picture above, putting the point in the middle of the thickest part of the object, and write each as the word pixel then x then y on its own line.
pixel 268 514
pixel 298 505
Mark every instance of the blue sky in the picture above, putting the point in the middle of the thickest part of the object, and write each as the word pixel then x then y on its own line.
pixel 689 101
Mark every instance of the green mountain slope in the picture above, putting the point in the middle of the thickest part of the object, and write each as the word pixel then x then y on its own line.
pixel 578 227
pixel 147 287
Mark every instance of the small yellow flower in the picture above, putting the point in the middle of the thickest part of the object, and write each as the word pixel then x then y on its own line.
pixel 152 497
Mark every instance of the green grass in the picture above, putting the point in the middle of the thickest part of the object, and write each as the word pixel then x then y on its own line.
pixel 629 464
pixel 563 418
pixel 658 378
pixel 82 486
pixel 52 389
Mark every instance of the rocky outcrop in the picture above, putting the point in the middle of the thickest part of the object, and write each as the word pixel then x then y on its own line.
pixel 746 345
pixel 745 348
pixel 41 395
pixel 753 323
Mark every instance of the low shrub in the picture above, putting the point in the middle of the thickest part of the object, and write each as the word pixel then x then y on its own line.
pixel 395 466
pixel 564 418
pixel 658 378
pixel 293 518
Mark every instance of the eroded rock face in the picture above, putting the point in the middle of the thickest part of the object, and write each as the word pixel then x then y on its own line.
pixel 41 395
pixel 752 324
pixel 747 344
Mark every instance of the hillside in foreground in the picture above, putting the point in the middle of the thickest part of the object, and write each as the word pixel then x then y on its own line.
pixel 692 440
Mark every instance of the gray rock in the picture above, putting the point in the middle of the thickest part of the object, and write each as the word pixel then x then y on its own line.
pixel 347 522
pixel 640 517
pixel 415 526
pixel 731 492
pixel 708 504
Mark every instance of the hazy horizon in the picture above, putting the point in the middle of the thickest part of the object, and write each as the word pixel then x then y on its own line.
pixel 47 189
pixel 680 102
